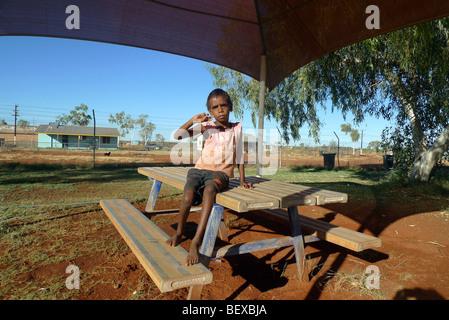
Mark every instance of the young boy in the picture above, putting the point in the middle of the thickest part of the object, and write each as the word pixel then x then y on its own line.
pixel 211 174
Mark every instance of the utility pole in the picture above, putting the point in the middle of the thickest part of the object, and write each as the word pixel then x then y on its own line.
pixel 95 139
pixel 15 124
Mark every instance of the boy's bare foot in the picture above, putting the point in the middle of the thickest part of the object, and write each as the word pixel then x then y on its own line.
pixel 193 257
pixel 174 240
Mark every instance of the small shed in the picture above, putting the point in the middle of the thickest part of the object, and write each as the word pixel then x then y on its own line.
pixel 17 135
pixel 55 135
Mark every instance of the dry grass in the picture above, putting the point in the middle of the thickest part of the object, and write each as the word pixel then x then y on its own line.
pixel 356 281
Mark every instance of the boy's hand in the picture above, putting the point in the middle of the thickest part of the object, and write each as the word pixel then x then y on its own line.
pixel 246 185
pixel 202 117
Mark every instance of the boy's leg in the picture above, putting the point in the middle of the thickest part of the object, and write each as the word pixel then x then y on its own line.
pixel 209 193
pixel 184 210
pixel 193 182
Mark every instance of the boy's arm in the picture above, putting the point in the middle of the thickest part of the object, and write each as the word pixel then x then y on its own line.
pixel 186 131
pixel 243 183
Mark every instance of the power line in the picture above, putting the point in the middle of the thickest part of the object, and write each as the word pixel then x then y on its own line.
pixel 164 125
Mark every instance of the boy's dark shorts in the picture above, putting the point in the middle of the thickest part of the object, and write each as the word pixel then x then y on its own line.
pixel 198 179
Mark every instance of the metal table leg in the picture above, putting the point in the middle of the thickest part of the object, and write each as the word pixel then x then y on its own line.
pixel 153 195
pixel 298 242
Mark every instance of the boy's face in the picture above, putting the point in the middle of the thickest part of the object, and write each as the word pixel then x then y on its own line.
pixel 219 109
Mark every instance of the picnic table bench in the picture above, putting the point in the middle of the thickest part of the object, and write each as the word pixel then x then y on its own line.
pixel 165 264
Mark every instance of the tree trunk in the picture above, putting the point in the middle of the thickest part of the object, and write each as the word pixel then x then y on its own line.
pixel 425 159
pixel 419 142
pixel 422 167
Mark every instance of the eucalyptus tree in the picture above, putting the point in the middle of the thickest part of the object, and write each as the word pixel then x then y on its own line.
pixel 402 75
pixel 128 124
pixel 353 133
pixel 78 116
pixel 146 128
pixel 124 121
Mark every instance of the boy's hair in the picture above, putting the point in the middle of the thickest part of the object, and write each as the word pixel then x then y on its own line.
pixel 219 92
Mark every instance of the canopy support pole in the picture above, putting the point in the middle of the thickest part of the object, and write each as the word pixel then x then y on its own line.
pixel 263 75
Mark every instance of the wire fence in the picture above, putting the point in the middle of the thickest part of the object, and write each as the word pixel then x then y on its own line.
pixel 139 150
pixel 67 146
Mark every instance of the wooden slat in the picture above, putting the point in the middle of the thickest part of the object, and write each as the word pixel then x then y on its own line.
pixel 251 179
pixel 165 175
pixel 344 237
pixel 244 200
pixel 295 195
pixel 164 264
pixel 287 194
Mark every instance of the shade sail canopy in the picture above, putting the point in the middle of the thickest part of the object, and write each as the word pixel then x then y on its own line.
pixel 231 33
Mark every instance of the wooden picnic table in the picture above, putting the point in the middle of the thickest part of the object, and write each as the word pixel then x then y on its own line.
pixel 267 194
pixel 274 197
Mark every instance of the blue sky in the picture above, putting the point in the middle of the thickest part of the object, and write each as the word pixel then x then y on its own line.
pixel 47 77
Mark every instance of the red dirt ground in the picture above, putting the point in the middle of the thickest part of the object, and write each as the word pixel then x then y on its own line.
pixel 413 259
